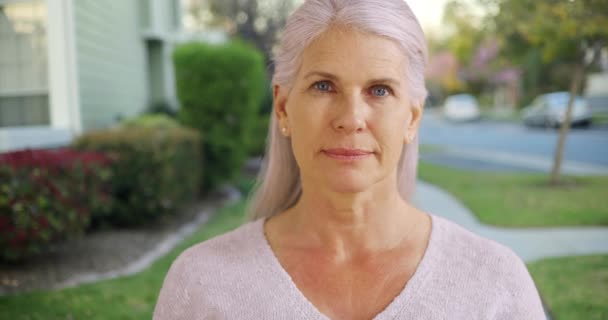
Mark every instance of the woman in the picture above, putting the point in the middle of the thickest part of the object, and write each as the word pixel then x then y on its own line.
pixel 333 234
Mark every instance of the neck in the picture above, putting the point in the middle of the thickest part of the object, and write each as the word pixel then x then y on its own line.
pixel 346 225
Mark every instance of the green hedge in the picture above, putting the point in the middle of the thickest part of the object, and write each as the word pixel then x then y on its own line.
pixel 221 88
pixel 154 120
pixel 154 171
pixel 47 196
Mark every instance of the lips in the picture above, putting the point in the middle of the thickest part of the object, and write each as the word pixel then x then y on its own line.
pixel 346 154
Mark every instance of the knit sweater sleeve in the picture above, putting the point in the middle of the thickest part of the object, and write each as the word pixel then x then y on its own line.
pixel 521 299
pixel 174 299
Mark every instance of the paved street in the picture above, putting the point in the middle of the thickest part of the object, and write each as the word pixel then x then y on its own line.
pixel 505 146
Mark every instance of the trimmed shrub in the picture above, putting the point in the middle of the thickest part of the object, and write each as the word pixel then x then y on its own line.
pixel 47 196
pixel 154 171
pixel 220 88
pixel 158 121
pixel 162 108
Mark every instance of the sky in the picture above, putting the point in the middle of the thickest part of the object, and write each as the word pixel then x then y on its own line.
pixel 428 12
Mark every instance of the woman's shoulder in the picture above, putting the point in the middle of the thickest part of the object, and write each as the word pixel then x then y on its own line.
pixel 225 248
pixel 222 258
pixel 196 282
pixel 473 256
pixel 481 269
pixel 457 241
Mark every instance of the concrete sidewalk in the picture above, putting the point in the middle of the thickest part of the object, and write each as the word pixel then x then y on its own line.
pixel 524 161
pixel 530 244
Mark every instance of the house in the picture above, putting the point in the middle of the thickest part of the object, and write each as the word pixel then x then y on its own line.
pixel 69 66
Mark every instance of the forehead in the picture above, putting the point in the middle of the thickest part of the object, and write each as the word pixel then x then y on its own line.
pixel 350 53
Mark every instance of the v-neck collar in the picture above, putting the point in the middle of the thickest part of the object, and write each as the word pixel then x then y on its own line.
pixel 310 311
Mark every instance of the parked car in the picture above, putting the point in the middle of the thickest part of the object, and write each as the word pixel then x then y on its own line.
pixel 461 107
pixel 549 110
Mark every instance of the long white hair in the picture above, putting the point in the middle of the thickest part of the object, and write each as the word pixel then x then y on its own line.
pixel 278 186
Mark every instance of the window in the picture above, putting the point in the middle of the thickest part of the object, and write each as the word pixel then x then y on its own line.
pixel 23 63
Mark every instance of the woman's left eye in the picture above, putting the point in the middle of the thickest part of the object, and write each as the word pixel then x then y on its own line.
pixel 380 91
pixel 322 86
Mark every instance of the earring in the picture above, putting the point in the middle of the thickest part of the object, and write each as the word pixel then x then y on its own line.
pixel 284 130
pixel 409 138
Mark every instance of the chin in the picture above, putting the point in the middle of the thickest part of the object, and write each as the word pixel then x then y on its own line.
pixel 348 183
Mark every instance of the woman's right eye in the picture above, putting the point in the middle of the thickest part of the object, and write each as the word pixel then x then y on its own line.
pixel 324 86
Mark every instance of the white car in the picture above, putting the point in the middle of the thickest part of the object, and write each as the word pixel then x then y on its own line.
pixel 549 110
pixel 461 107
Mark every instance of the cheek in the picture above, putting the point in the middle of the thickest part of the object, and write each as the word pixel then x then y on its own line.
pixel 308 116
pixel 390 128
pixel 307 125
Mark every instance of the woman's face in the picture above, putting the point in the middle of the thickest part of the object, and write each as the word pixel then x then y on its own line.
pixel 348 112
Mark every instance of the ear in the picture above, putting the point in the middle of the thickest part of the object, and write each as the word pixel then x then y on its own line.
pixel 279 108
pixel 411 131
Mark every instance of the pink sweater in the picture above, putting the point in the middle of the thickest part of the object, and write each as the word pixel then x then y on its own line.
pixel 237 276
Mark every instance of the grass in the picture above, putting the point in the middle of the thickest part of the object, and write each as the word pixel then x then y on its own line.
pixel 493 115
pixel 130 297
pixel 430 148
pixel 574 287
pixel 524 200
pixel 600 119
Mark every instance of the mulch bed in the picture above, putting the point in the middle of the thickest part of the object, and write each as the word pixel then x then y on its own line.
pixel 100 251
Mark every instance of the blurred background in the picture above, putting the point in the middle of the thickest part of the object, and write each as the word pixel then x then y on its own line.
pixel 130 130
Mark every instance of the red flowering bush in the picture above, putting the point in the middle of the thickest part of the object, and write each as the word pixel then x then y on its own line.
pixel 154 171
pixel 47 196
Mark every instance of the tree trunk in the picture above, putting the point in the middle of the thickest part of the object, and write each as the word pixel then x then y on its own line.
pixel 565 128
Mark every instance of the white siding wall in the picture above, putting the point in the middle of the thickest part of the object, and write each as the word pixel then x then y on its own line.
pixel 111 58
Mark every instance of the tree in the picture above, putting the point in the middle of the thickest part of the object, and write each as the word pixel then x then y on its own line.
pixel 578 28
pixel 255 21
pixel 452 49
pixel 466 32
pixel 570 32
pixel 509 22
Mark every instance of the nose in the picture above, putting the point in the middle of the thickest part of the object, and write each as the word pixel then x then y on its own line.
pixel 350 115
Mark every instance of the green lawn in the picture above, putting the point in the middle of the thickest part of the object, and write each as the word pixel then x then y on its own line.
pixel 600 119
pixel 574 287
pixel 524 200
pixel 429 148
pixel 492 115
pixel 123 298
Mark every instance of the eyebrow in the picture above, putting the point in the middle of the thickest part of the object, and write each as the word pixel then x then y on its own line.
pixel 322 74
pixel 334 77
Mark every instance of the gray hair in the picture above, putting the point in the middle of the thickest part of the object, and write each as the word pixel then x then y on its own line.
pixel 278 186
